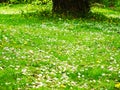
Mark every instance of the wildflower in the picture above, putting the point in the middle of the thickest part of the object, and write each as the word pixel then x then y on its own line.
pixel 83 76
pixel 94 81
pixel 19 89
pixel 7 83
pixel 24 71
pixel 85 85
pixel 31 51
pixel 111 69
pixel 102 67
pixel 60 19
pixel 117 85
pixel 63 86
pixel 78 76
pixel 103 74
pixel 7 58
pixel 1 68
pixel 18 79
pixel 119 72
pixel 6 48
pixel 40 84
pixel 108 80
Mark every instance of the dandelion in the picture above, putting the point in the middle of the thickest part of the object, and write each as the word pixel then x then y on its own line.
pixel 117 85
pixel 63 86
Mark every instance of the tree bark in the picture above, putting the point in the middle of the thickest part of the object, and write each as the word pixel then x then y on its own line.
pixel 74 6
pixel 2 1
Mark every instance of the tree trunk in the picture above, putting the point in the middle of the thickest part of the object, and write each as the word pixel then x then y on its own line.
pixel 74 6
pixel 2 1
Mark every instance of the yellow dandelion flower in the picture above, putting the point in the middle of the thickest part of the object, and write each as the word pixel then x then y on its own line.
pixel 63 86
pixel 117 85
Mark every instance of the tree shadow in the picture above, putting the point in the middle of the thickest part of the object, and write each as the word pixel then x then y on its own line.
pixel 90 16
pixel 101 18
pixel 36 17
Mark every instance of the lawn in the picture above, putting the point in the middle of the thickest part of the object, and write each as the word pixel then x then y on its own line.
pixel 39 51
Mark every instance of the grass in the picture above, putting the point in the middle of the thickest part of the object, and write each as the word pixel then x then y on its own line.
pixel 39 51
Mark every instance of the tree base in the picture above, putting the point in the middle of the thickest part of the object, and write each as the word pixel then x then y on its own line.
pixel 72 6
pixel 3 1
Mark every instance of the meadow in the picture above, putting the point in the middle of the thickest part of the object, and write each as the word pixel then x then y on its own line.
pixel 41 51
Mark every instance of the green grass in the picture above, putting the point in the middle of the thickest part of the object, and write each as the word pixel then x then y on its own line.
pixel 39 51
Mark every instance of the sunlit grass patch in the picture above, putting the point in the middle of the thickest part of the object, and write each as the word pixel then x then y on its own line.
pixel 12 9
pixel 42 53
pixel 107 12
